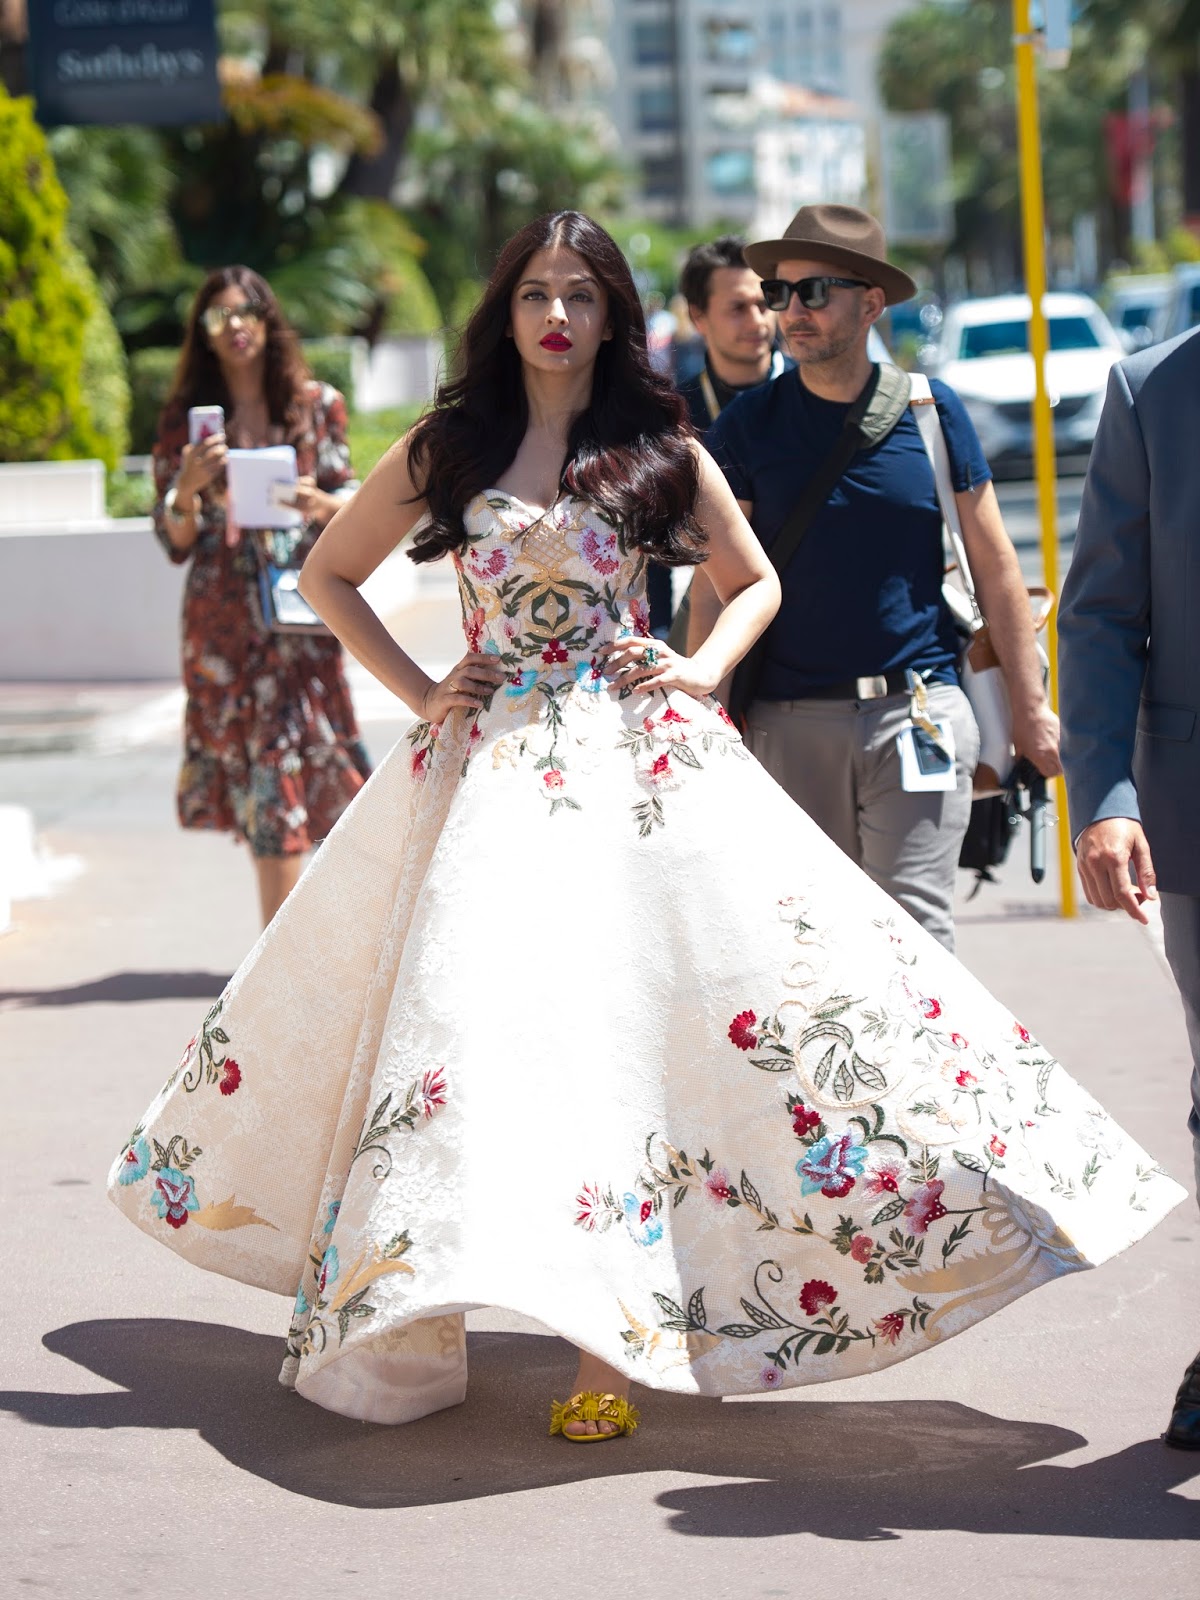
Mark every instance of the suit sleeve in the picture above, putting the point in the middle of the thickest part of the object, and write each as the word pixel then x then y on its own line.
pixel 1104 621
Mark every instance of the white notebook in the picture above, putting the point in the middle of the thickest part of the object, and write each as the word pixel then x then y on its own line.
pixel 257 481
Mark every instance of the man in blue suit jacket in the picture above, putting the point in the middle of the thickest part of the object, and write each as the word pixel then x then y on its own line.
pixel 1129 653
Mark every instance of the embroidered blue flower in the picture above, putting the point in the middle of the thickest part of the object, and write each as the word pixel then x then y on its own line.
pixel 328 1271
pixel 642 1220
pixel 832 1166
pixel 520 684
pixel 334 1207
pixel 135 1163
pixel 301 1309
pixel 589 675
pixel 174 1196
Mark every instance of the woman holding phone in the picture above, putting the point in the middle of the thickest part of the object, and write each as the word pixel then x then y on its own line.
pixel 271 748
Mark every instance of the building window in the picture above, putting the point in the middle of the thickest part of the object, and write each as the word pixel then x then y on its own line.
pixel 730 171
pixel 657 111
pixel 660 178
pixel 653 43
pixel 729 41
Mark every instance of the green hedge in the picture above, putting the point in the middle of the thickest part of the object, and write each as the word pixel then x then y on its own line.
pixel 56 339
pixel 151 372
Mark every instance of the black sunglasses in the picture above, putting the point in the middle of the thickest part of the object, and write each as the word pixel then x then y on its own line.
pixel 813 293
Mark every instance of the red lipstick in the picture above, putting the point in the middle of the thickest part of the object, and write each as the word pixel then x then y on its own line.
pixel 556 342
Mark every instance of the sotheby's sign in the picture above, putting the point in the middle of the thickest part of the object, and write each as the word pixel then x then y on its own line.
pixel 143 61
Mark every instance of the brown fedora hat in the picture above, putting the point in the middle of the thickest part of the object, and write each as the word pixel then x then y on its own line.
pixel 842 235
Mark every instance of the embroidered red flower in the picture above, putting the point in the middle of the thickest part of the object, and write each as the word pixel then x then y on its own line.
pixel 553 653
pixel 804 1121
pixel 965 1079
pixel 997 1146
pixel 931 1009
pixel 816 1295
pixel 1022 1033
pixel 958 1041
pixel 718 1185
pixel 742 1030
pixel 419 758
pixel 476 733
pixel 660 766
pixel 553 779
pixel 474 630
pixel 724 715
pixel 231 1076
pixel 671 715
pixel 925 1206
pixel 862 1248
pixel 891 1326
pixel 648 724
pixel 883 1179
pixel 433 1091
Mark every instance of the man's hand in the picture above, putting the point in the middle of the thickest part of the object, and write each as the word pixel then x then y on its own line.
pixel 1035 736
pixel 1105 853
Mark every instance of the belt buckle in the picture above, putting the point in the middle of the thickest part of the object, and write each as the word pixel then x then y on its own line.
pixel 874 688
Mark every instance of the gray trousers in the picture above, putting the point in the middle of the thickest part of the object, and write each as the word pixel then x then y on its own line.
pixel 1181 925
pixel 838 761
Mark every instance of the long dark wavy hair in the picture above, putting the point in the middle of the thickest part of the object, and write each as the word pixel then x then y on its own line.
pixel 198 380
pixel 630 453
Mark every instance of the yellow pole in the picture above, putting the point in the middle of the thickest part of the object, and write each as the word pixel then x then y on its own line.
pixel 1033 228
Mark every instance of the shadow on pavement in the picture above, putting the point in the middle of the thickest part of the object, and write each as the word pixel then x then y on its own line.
pixel 120 988
pixel 854 1470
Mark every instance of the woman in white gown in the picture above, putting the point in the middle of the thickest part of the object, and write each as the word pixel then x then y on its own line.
pixel 575 1012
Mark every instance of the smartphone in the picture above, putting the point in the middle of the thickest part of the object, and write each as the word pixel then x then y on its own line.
pixel 204 421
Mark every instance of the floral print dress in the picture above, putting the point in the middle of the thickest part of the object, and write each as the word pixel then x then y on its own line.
pixel 607 1032
pixel 271 746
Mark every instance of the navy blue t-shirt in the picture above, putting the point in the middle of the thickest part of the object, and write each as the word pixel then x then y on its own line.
pixel 863 593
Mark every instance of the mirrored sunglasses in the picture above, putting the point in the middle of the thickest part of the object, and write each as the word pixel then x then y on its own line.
pixel 217 318
pixel 812 293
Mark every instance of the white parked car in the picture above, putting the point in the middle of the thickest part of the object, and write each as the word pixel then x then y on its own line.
pixel 982 352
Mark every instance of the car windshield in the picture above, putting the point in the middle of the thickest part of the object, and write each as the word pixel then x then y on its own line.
pixel 1136 315
pixel 1012 338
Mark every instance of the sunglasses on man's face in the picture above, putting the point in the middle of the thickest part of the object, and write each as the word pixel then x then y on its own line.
pixel 812 293
pixel 217 318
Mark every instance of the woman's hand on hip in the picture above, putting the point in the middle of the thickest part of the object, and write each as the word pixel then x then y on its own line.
pixel 649 664
pixel 464 688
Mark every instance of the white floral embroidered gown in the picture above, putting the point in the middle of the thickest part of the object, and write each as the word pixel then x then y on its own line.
pixel 605 1031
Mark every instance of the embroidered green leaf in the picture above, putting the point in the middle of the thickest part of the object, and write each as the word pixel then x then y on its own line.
pixel 670 1308
pixel 833 1007
pixel 843 1083
pixel 824 1068
pixel 886 1213
pixel 763 1319
pixel 772 1063
pixel 750 1194
pixel 689 758
pixel 868 1074
pixel 696 1309
pixel 739 1330
pixel 825 1344
pixel 971 1162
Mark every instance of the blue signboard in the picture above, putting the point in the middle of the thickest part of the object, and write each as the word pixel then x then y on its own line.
pixel 152 62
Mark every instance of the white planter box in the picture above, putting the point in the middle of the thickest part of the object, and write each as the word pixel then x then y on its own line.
pixel 398 371
pixel 88 601
pixel 50 492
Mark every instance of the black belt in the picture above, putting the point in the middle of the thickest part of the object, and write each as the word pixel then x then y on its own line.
pixel 874 687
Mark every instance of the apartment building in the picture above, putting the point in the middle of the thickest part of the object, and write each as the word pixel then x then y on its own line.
pixel 738 109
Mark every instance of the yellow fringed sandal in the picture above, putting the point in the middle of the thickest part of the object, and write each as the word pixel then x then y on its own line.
pixel 588 1406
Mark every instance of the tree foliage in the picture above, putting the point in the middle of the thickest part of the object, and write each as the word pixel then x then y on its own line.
pixel 957 58
pixel 56 339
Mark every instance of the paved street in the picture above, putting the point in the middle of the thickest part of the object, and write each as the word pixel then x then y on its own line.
pixel 157 1454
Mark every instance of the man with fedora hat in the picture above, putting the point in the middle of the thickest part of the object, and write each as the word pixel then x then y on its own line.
pixel 863 654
